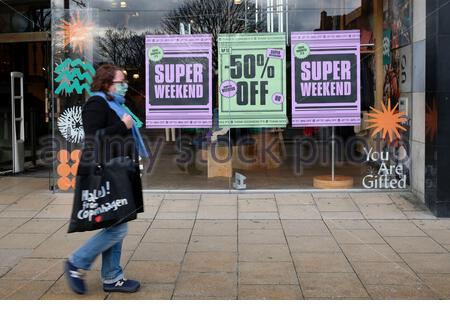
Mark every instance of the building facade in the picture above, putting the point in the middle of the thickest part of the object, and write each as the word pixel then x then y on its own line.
pixel 395 140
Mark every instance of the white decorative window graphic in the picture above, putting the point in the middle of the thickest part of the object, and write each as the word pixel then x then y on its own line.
pixel 70 124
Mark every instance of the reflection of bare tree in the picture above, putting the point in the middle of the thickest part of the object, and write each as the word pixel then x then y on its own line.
pixel 126 49
pixel 123 47
pixel 79 3
pixel 212 17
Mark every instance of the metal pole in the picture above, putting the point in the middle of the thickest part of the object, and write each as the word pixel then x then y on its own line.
pixel 280 15
pixel 51 114
pixel 13 123
pixel 287 21
pixel 272 15
pixel 256 14
pixel 245 16
pixel 332 154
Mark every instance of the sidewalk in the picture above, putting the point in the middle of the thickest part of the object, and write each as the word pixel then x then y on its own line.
pixel 228 246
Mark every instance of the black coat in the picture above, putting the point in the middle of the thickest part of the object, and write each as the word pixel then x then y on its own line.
pixel 118 140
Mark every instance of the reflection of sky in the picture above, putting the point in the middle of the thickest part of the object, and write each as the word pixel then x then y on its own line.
pixel 146 15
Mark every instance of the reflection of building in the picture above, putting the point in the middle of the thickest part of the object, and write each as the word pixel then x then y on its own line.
pixel 118 30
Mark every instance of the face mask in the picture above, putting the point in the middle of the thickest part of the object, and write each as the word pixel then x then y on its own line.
pixel 121 89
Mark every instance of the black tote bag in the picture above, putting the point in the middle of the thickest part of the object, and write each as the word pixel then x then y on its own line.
pixel 106 193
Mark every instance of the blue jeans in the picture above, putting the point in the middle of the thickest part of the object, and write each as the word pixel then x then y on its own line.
pixel 107 242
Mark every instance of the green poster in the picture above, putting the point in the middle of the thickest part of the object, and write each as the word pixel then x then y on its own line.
pixel 252 80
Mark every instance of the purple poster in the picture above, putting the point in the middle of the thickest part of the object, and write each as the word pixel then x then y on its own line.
pixel 178 81
pixel 325 78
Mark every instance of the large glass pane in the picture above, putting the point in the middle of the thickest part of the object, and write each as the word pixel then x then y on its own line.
pixel 73 34
pixel 274 156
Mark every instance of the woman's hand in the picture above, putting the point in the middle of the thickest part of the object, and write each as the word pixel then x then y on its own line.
pixel 128 120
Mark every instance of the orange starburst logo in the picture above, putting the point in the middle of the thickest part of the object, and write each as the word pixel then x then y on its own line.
pixel 387 121
pixel 431 120
pixel 76 32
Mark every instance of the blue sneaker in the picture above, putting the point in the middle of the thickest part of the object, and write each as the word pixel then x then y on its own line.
pixel 124 285
pixel 74 278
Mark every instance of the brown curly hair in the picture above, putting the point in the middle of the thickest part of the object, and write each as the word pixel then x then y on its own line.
pixel 104 77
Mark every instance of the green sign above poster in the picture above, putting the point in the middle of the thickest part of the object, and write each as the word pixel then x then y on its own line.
pixel 252 80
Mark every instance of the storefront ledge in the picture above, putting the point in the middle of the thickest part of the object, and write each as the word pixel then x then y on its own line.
pixel 231 191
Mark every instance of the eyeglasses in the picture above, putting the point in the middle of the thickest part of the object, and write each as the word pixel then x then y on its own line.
pixel 124 81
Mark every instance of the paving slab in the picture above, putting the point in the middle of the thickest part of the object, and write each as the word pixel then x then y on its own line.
pixel 167 235
pixel 267 273
pixel 407 201
pixel 200 285
pixel 341 215
pixel 160 252
pixel 258 215
pixel 440 236
pixel 212 243
pixel 18 213
pixel 42 226
pixel 256 205
pixel 321 262
pixel 336 204
pixel 294 199
pixel 210 262
pixel 370 253
pixel 162 272
pixel 391 273
pixel 55 211
pixel 313 244
pixel 214 212
pixel 269 236
pixel 381 211
pixel 10 257
pixel 36 269
pixel 357 236
pixel 397 228
pixel 264 252
pixel 259 224
pixel 215 228
pixel 414 245
pixel 173 224
pixel 22 241
pixel 348 224
pixel 438 283
pixel 219 199
pixel 294 212
pixel 269 292
pixel 401 292
pixel 428 262
pixel 305 228
pixel 439 224
pixel 23 289
pixel 169 205
pixel 331 286
pixel 362 198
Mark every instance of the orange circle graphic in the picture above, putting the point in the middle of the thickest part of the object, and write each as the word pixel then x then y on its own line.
pixel 74 169
pixel 63 170
pixel 63 156
pixel 64 183
pixel 75 155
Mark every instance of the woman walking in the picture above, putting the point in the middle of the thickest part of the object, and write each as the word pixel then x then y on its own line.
pixel 105 111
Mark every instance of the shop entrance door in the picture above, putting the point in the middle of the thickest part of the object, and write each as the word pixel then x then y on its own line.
pixel 26 54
